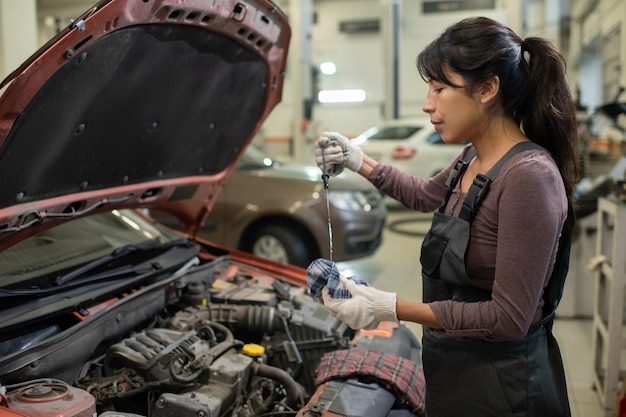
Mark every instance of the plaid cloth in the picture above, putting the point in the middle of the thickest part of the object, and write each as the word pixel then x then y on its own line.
pixel 322 272
pixel 401 377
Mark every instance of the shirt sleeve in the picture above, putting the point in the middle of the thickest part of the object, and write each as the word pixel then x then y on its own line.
pixel 416 193
pixel 529 207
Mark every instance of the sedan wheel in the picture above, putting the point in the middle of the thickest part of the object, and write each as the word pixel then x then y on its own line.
pixel 281 245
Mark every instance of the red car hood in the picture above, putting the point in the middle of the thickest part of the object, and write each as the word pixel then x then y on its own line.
pixel 137 104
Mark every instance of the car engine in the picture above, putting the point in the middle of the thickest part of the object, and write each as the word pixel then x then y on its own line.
pixel 221 339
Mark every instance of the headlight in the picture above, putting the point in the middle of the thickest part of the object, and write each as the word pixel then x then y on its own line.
pixel 350 200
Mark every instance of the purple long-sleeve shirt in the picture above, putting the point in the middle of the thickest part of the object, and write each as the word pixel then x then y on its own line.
pixel 513 244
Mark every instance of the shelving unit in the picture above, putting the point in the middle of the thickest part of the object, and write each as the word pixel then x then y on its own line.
pixel 609 331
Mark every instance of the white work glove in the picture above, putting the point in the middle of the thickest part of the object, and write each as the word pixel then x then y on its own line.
pixel 338 153
pixel 365 309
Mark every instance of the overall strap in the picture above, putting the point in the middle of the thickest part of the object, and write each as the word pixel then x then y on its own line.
pixel 480 186
pixel 554 290
pixel 455 176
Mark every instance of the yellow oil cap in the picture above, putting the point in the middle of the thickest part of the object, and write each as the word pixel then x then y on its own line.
pixel 252 349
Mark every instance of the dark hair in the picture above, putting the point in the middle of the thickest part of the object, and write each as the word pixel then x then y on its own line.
pixel 533 86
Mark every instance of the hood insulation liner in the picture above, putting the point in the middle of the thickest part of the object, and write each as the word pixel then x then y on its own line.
pixel 181 98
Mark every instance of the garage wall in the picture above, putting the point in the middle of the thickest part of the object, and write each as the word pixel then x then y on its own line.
pixel 418 31
pixel 16 17
pixel 359 58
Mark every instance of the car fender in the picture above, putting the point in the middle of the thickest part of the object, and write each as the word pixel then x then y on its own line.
pixel 232 220
pixel 307 215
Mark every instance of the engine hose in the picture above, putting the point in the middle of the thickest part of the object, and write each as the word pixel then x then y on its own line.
pixel 206 332
pixel 225 331
pixel 245 317
pixel 179 377
pixel 294 393
pixel 201 363
pixel 261 317
pixel 208 359
pixel 242 317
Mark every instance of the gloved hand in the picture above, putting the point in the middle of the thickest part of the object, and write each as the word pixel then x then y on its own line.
pixel 338 152
pixel 322 273
pixel 365 309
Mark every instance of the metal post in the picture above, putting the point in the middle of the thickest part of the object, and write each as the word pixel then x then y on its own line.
pixel 391 28
pixel 300 17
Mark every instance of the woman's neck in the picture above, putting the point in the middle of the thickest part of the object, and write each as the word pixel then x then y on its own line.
pixel 495 141
pixel 499 136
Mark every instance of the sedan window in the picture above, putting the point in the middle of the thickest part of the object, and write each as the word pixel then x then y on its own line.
pixel 395 132
pixel 254 158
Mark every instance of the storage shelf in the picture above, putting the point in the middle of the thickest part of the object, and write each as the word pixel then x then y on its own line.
pixel 609 331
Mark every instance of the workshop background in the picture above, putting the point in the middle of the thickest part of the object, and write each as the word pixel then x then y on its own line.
pixel 352 66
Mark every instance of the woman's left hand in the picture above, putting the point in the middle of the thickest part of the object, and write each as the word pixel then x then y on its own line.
pixel 365 309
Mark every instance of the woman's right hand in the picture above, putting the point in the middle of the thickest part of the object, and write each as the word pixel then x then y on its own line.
pixel 334 152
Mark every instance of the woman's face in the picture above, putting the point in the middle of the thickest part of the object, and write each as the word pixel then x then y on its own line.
pixel 454 113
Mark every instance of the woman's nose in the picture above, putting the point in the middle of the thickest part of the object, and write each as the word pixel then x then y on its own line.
pixel 428 106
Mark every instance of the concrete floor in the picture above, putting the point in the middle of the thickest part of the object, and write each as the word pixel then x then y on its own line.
pixel 395 267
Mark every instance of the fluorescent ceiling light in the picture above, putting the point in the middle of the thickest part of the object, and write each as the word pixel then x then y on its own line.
pixel 328 68
pixel 341 96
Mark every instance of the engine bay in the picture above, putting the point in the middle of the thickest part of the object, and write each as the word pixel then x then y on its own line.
pixel 220 339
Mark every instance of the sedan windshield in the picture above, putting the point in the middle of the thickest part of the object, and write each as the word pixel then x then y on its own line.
pixel 392 132
pixel 75 243
pixel 254 158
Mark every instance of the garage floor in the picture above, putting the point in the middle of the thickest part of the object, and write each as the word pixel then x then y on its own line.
pixel 395 267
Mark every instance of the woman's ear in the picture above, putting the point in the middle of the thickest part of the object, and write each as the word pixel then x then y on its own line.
pixel 489 90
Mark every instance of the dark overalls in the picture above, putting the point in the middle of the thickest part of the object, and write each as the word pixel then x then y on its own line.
pixel 473 377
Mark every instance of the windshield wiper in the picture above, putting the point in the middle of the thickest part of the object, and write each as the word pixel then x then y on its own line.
pixel 76 281
pixel 117 272
pixel 81 276
pixel 117 254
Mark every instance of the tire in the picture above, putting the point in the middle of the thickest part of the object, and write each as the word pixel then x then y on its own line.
pixel 280 244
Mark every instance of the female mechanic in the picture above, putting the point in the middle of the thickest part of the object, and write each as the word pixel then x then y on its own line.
pixel 496 256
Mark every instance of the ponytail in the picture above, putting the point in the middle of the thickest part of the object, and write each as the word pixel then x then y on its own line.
pixel 548 113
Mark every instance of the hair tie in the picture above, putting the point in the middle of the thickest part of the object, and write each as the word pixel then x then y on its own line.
pixel 524 53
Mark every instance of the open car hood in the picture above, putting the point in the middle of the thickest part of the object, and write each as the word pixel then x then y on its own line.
pixel 137 104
